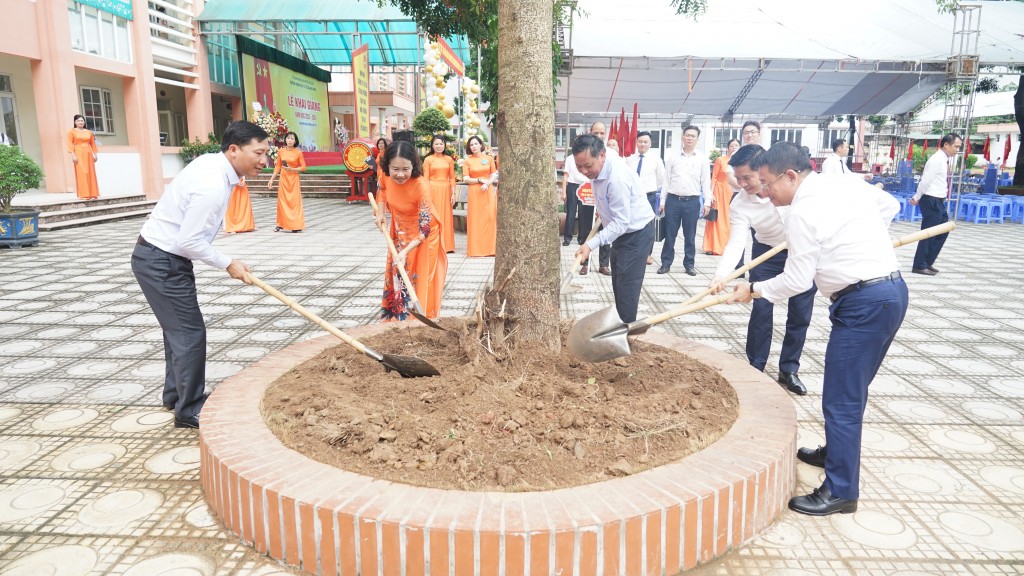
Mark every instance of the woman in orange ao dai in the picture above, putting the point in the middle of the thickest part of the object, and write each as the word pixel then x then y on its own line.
pixel 439 169
pixel 290 163
pixel 239 216
pixel 479 172
pixel 82 147
pixel 416 231
pixel 716 234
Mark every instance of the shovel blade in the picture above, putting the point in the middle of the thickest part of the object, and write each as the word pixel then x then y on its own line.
pixel 408 366
pixel 599 337
pixel 423 318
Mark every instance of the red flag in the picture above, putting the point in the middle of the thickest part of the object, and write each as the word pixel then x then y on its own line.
pixel 1006 151
pixel 986 151
pixel 910 151
pixel 612 129
pixel 924 149
pixel 633 130
pixel 967 150
pixel 623 127
pixel 892 150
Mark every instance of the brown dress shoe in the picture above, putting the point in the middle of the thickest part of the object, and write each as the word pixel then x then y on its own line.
pixel 605 270
pixel 584 270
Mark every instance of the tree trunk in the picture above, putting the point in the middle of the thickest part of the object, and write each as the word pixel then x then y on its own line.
pixel 527 207
pixel 1018 112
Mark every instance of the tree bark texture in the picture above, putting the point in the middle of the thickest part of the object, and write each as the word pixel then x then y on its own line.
pixel 527 207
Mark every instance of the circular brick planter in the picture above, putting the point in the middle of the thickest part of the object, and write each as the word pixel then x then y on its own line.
pixel 660 521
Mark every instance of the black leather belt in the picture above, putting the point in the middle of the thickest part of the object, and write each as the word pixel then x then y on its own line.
pixel 685 198
pixel 864 284
pixel 142 242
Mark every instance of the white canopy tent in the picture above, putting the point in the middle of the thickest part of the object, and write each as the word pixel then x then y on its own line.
pixel 763 58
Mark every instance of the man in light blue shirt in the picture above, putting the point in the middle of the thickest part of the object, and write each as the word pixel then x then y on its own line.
pixel 626 216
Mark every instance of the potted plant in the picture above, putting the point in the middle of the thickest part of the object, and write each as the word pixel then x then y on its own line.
pixel 18 173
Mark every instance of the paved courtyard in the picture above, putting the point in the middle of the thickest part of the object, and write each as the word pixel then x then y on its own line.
pixel 95 480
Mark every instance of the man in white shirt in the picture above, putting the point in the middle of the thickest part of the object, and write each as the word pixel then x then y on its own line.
pixel 838 233
pixel 604 262
pixel 834 164
pixel 931 196
pixel 751 132
pixel 685 197
pixel 651 170
pixel 571 182
pixel 627 217
pixel 4 140
pixel 181 229
pixel 750 213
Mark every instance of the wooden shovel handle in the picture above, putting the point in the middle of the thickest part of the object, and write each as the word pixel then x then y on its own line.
pixel 307 314
pixel 579 258
pixel 692 305
pixel 414 299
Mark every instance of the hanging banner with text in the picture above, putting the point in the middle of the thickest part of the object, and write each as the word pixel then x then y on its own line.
pixel 449 57
pixel 361 82
pixel 299 99
pixel 122 8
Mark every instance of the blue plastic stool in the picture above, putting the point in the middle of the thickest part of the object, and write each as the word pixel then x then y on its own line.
pixel 988 212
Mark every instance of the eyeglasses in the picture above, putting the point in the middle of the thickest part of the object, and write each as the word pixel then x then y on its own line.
pixel 750 132
pixel 766 184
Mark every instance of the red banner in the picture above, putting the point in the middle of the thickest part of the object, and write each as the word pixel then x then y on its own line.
pixel 586 194
pixel 448 57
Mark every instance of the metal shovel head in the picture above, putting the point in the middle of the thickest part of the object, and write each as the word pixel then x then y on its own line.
pixel 408 366
pixel 599 337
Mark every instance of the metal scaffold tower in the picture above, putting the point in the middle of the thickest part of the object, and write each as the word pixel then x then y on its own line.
pixel 562 35
pixel 962 69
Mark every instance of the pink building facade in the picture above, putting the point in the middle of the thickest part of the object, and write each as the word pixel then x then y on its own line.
pixel 134 68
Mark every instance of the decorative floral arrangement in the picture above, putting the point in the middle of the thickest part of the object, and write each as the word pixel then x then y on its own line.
pixel 341 134
pixel 274 124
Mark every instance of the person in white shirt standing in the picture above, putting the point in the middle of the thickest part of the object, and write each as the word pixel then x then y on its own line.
pixel 685 197
pixel 651 170
pixel 767 223
pixel 571 182
pixel 181 229
pixel 835 163
pixel 838 233
pixel 931 196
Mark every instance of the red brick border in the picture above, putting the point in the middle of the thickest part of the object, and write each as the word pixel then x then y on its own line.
pixel 333 522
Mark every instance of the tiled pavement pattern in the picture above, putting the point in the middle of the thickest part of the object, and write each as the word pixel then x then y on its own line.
pixel 94 480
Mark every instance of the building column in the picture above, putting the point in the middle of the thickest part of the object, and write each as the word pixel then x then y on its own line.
pixel 199 102
pixel 140 107
pixel 56 92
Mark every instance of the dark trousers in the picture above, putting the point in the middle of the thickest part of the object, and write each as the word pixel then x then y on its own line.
pixel 169 285
pixel 629 263
pixel 933 213
pixel 680 211
pixel 864 323
pixel 573 213
pixel 653 198
pixel 759 328
pixel 603 251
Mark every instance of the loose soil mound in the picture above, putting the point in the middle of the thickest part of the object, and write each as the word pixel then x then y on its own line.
pixel 537 420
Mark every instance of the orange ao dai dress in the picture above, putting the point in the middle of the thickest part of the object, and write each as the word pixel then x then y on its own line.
pixel 82 143
pixel 239 216
pixel 716 234
pixel 440 171
pixel 481 208
pixel 413 216
pixel 289 194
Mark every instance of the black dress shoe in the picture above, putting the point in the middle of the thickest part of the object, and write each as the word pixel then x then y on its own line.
pixel 565 242
pixel 821 502
pixel 187 422
pixel 925 271
pixel 605 270
pixel 791 381
pixel 812 456
pixel 691 271
pixel 663 270
pixel 933 269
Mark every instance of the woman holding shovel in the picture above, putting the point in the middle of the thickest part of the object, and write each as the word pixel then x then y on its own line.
pixel 416 232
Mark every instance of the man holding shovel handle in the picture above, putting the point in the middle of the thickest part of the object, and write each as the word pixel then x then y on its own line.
pixel 838 237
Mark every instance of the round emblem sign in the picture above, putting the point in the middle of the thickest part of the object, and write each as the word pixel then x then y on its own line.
pixel 355 155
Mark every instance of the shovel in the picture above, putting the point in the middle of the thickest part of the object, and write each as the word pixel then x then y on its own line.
pixel 407 366
pixel 579 259
pixel 417 311
pixel 603 336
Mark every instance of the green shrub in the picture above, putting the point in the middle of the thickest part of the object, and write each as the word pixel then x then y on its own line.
pixel 192 149
pixel 18 173
pixel 430 122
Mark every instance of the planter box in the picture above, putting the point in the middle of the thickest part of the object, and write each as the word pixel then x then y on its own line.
pixel 19 229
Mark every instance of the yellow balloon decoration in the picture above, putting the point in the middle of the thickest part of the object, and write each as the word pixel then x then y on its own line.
pixel 448 111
